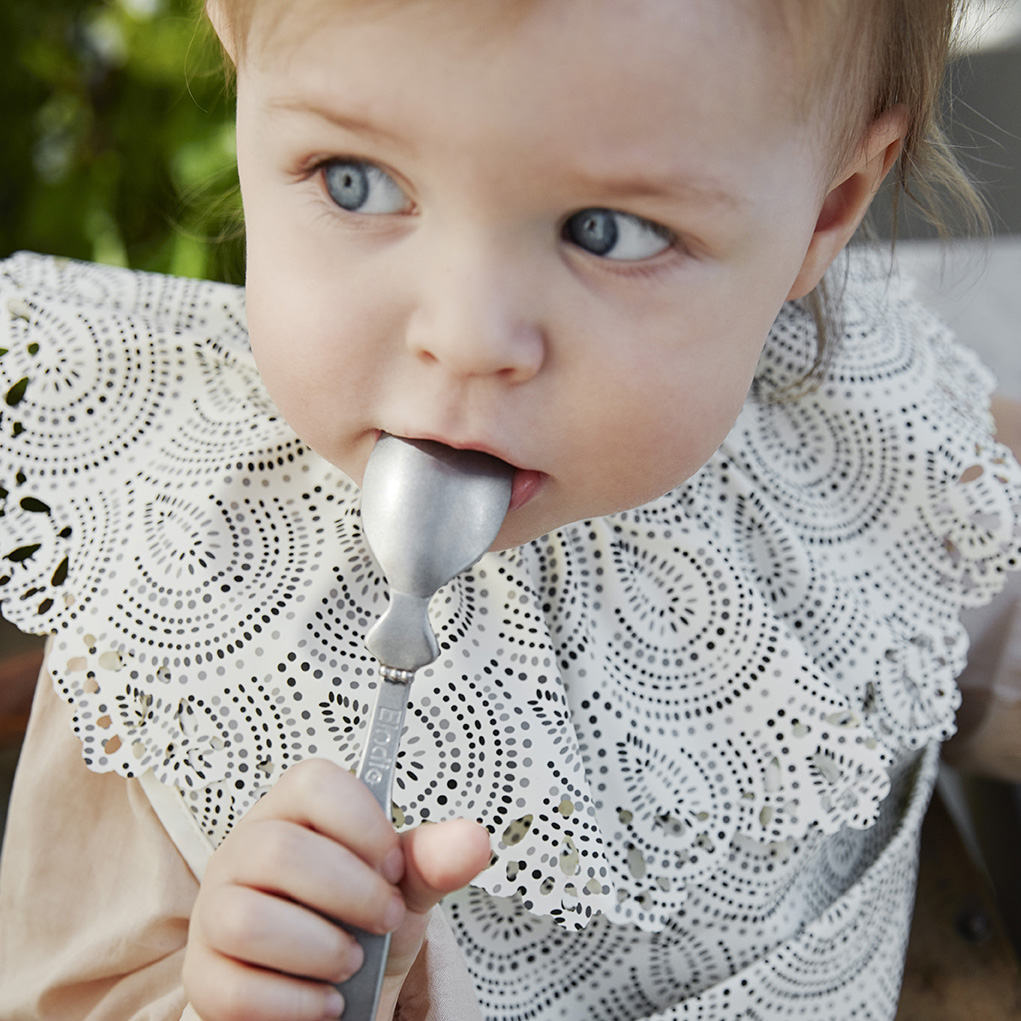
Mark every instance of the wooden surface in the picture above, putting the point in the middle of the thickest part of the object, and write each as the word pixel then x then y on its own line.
pixel 20 658
pixel 960 966
pixel 18 675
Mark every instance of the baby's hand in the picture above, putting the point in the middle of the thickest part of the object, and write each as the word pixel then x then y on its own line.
pixel 263 944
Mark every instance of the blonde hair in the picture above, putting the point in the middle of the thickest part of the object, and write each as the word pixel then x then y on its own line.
pixel 901 55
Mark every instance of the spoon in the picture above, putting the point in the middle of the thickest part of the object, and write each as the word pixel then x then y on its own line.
pixel 428 512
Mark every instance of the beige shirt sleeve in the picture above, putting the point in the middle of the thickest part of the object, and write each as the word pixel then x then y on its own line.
pixel 95 899
pixel 438 987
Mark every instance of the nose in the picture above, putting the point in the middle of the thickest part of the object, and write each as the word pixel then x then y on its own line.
pixel 473 320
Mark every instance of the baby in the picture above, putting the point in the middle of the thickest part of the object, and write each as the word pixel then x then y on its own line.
pixel 557 232
pixel 678 752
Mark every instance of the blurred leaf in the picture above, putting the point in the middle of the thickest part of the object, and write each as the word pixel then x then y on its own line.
pixel 117 142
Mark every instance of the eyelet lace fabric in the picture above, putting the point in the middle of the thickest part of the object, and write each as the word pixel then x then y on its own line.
pixel 694 709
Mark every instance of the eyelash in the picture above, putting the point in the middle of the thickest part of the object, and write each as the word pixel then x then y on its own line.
pixel 646 269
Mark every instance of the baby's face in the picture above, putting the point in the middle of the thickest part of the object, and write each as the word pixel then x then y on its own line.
pixel 558 235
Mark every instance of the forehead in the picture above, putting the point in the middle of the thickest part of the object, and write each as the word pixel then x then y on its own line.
pixel 809 28
pixel 815 72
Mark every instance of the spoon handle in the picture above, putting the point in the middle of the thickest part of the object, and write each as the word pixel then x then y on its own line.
pixel 376 770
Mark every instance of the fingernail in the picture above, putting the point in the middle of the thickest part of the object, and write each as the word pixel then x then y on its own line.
pixel 394 913
pixel 393 866
pixel 355 958
pixel 334 1006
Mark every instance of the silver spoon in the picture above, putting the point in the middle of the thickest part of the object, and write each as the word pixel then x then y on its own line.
pixel 428 512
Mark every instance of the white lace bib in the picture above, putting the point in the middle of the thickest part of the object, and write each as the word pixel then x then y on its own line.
pixel 621 703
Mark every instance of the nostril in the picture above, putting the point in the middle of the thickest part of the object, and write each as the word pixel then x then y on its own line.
pixel 511 357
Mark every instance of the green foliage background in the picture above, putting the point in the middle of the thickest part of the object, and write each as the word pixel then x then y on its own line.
pixel 117 136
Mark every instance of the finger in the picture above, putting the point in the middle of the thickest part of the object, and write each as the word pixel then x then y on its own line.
pixel 322 796
pixel 283 858
pixel 438 860
pixel 269 932
pixel 234 991
pixel 441 858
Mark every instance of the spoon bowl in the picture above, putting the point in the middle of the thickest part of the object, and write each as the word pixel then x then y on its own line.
pixel 428 512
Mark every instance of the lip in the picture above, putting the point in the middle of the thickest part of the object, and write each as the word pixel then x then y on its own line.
pixel 526 483
pixel 525 486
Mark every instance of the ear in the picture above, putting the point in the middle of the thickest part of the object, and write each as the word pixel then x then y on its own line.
pixel 221 26
pixel 850 195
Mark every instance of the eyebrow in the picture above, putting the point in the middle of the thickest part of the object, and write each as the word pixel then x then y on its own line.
pixel 693 187
pixel 346 121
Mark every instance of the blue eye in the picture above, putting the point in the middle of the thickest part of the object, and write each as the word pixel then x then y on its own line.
pixel 613 235
pixel 362 188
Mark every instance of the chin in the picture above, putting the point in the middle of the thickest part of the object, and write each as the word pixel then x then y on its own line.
pixel 533 521
pixel 520 528
pixel 509 538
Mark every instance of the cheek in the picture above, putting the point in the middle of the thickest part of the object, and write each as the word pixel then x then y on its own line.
pixel 679 404
pixel 306 369
pixel 313 332
pixel 289 359
pixel 658 432
pixel 314 306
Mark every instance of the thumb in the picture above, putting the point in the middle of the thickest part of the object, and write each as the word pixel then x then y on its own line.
pixel 440 858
